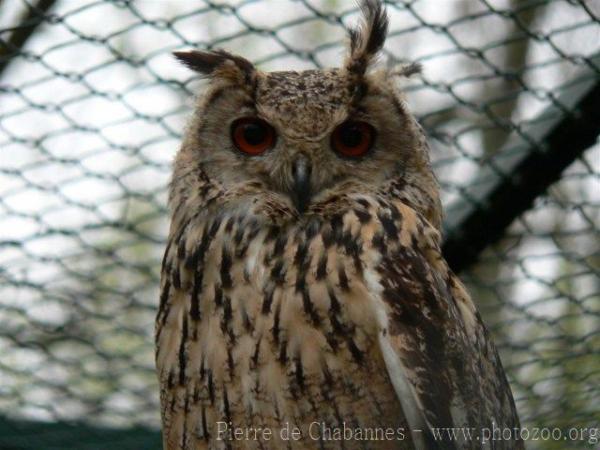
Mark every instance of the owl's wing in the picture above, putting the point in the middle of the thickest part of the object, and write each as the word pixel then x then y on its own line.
pixel 444 368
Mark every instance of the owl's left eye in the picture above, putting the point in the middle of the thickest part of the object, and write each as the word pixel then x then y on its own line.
pixel 352 138
pixel 252 136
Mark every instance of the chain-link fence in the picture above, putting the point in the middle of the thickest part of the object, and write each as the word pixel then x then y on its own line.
pixel 91 110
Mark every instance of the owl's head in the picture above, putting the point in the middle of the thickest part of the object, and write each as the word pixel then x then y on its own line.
pixel 290 145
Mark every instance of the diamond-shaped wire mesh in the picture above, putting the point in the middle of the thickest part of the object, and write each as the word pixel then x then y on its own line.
pixel 92 107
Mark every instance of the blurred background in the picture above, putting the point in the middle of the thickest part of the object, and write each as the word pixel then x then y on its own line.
pixel 92 106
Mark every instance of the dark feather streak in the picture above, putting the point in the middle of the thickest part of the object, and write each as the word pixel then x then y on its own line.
pixel 182 354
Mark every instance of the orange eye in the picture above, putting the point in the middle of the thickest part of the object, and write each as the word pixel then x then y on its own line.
pixel 352 138
pixel 252 136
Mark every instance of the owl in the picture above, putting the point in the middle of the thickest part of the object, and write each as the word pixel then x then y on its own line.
pixel 305 302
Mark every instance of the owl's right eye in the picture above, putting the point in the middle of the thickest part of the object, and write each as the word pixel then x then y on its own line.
pixel 252 136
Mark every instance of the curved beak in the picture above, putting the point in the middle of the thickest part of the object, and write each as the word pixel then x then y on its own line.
pixel 301 170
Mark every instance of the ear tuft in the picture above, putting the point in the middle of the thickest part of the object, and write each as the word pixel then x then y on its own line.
pixel 367 40
pixel 407 70
pixel 208 63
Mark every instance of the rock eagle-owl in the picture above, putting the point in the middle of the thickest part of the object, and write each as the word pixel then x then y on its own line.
pixel 303 289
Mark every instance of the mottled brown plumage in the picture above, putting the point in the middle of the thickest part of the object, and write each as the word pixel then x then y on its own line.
pixel 342 312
